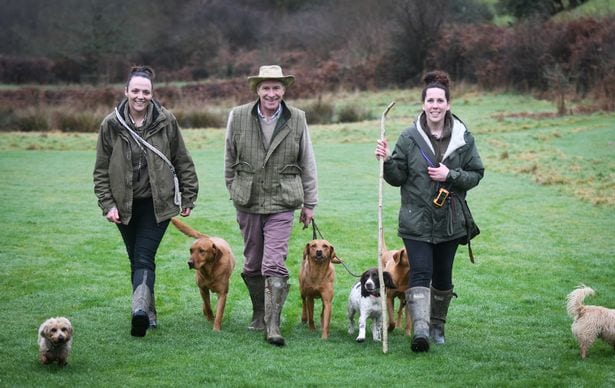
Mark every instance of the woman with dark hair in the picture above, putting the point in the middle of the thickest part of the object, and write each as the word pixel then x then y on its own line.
pixel 143 176
pixel 435 162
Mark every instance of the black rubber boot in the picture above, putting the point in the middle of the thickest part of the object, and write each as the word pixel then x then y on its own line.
pixel 256 288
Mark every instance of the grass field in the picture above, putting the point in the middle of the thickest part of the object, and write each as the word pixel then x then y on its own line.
pixel 545 208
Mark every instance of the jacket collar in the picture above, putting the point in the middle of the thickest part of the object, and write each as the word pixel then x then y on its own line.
pixel 284 115
pixel 457 135
pixel 153 118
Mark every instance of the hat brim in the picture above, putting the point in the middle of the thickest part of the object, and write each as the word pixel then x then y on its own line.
pixel 255 80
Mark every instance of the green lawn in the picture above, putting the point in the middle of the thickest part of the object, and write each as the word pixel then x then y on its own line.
pixel 540 238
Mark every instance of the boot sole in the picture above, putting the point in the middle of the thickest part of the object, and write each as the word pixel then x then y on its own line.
pixel 420 344
pixel 140 324
pixel 277 341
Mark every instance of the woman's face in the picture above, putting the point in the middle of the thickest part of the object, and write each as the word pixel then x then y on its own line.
pixel 139 94
pixel 435 105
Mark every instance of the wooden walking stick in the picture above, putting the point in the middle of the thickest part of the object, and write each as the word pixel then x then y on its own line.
pixel 383 294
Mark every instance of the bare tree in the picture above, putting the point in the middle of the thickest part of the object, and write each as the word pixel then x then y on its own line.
pixel 417 27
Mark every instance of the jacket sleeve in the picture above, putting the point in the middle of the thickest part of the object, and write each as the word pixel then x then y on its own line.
pixel 309 176
pixel 471 172
pixel 184 167
pixel 102 186
pixel 230 154
pixel 396 167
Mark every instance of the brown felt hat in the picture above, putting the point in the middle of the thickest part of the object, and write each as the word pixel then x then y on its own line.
pixel 270 72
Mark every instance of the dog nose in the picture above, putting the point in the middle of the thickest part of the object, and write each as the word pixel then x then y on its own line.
pixel 191 264
pixel 319 253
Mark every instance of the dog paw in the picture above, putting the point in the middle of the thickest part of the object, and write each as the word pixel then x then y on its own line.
pixel 360 339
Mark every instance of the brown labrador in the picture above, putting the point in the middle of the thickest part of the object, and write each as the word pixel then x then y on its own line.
pixel 213 261
pixel 316 278
pixel 396 263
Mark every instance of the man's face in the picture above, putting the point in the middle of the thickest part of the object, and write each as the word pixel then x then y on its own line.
pixel 270 93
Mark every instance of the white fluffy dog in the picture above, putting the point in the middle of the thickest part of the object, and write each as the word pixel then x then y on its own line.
pixel 590 322
pixel 55 339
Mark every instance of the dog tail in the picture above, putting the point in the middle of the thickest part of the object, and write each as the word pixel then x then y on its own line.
pixel 575 306
pixel 187 230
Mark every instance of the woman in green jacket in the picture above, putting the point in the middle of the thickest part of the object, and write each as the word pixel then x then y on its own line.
pixel 143 176
pixel 435 162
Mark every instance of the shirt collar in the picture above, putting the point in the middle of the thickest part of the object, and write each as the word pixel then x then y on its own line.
pixel 275 116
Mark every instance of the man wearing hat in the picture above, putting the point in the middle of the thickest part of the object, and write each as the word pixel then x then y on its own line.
pixel 270 171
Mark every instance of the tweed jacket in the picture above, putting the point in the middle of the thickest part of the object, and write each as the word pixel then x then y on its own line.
pixel 273 179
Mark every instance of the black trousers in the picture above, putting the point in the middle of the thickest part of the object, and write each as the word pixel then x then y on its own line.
pixel 142 237
pixel 431 264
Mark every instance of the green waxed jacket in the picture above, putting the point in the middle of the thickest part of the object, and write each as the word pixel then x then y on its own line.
pixel 419 218
pixel 113 167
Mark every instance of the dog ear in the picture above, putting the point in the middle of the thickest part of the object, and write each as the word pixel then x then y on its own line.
pixel 388 280
pixel 364 276
pixel 397 256
pixel 217 252
pixel 403 253
pixel 44 332
pixel 306 251
pixel 333 256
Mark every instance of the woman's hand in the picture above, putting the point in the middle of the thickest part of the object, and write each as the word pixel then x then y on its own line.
pixel 113 216
pixel 382 150
pixel 185 212
pixel 439 173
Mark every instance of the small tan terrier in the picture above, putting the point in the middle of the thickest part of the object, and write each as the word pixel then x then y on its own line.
pixel 589 322
pixel 55 339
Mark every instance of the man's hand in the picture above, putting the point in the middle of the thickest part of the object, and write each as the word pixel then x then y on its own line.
pixel 306 216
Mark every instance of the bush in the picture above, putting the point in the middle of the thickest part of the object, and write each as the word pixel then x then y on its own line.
pixel 319 112
pixel 198 118
pixel 86 121
pixel 352 114
pixel 30 120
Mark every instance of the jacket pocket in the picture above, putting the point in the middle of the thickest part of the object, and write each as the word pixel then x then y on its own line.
pixel 241 187
pixel 411 221
pixel 291 186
